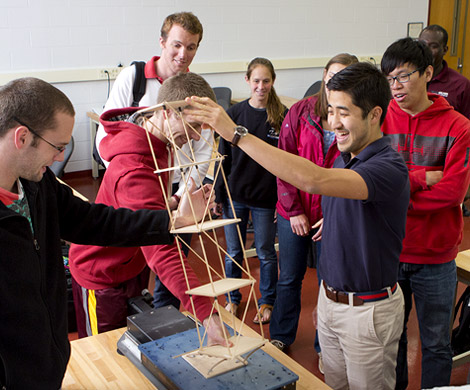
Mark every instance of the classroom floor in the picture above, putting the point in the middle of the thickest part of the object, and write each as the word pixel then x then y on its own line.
pixel 302 349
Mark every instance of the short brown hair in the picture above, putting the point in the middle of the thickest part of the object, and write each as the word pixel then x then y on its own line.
pixel 33 101
pixel 184 85
pixel 187 20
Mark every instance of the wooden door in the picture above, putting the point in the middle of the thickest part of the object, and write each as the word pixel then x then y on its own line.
pixel 453 15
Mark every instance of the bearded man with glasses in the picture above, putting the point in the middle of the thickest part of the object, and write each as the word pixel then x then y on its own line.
pixel 434 141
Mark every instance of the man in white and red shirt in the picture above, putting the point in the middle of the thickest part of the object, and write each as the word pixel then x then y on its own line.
pixel 180 36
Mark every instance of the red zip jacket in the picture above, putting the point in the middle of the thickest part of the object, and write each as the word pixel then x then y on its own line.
pixel 302 134
pixel 437 139
pixel 129 182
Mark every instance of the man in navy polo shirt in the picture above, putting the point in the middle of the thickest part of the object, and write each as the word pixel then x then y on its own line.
pixel 365 200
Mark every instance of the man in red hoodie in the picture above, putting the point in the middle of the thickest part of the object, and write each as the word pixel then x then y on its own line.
pixel 434 141
pixel 104 278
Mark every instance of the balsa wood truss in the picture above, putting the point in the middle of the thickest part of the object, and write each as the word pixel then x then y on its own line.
pixel 208 360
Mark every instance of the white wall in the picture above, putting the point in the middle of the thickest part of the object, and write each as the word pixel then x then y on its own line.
pixel 43 37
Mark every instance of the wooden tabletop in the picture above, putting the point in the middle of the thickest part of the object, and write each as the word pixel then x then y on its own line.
pixel 75 192
pixel 463 266
pixel 463 275
pixel 96 365
pixel 94 116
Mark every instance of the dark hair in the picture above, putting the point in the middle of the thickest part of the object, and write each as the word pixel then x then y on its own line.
pixel 437 28
pixel 321 106
pixel 187 20
pixel 32 101
pixel 366 85
pixel 274 108
pixel 406 51
pixel 183 85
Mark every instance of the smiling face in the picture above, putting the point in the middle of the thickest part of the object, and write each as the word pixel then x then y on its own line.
pixel 39 154
pixel 260 82
pixel 178 51
pixel 411 96
pixel 353 132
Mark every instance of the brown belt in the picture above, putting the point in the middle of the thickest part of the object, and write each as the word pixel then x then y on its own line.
pixel 340 296
pixel 358 298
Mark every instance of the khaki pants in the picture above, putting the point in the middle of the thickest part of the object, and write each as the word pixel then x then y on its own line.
pixel 359 344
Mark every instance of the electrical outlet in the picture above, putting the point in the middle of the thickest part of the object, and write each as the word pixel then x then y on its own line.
pixel 113 73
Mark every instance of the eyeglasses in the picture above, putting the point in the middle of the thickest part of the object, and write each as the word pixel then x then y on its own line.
pixel 60 149
pixel 401 78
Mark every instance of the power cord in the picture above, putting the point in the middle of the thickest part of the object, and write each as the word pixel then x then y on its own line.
pixel 109 84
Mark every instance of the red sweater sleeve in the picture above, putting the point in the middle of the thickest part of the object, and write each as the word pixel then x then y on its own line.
pixel 141 189
pixel 418 180
pixel 451 190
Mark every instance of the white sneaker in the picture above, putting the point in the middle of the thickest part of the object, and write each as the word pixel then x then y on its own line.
pixel 320 363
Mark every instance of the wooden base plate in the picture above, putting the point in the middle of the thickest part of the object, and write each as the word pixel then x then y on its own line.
pixel 210 366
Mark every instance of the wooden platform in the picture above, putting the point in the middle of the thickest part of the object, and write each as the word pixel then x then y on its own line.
pixel 220 287
pixel 206 225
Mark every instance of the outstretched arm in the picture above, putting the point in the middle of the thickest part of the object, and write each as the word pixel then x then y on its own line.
pixel 296 170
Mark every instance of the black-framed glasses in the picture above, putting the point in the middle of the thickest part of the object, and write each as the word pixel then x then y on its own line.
pixel 60 149
pixel 401 78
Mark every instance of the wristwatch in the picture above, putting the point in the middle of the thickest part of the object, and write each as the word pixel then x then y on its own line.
pixel 239 132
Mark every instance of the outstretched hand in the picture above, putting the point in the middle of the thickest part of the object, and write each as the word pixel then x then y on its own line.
pixel 215 334
pixel 206 111
pixel 202 200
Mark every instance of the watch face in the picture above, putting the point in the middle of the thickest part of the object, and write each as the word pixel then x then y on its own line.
pixel 241 130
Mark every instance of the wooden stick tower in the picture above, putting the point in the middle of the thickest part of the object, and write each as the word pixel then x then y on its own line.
pixel 208 360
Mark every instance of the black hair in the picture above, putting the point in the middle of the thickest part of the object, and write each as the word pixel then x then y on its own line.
pixel 366 85
pixel 406 51
pixel 437 28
